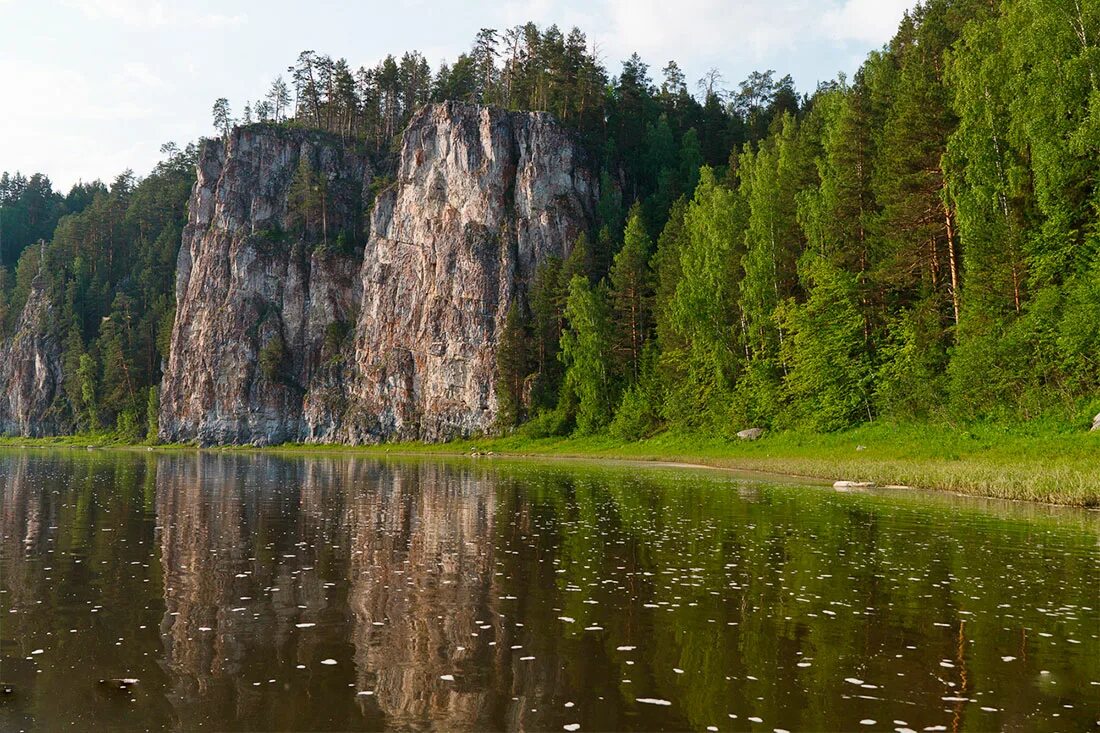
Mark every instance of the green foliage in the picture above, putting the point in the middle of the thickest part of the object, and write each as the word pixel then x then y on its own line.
pixel 910 382
pixel 152 416
pixel 588 366
pixel 126 426
pixel 513 366
pixel 638 414
pixel 550 423
pixel 336 334
pixel 272 358
pixel 828 375
pixel 702 316
pixel 635 417
pixel 546 304
pixel 86 374
pixel 30 210
pixel 308 201
pixel 1079 331
pixel 632 294
pixel 757 399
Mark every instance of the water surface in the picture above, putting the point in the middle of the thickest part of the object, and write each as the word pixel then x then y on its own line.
pixel 258 592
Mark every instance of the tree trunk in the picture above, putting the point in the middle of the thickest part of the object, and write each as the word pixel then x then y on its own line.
pixel 952 257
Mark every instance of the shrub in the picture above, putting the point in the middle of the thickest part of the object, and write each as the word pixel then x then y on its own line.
pixel 272 357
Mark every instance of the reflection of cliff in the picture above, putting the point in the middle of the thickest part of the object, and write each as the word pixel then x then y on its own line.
pixel 233 585
pixel 421 575
pixel 20 528
pixel 389 568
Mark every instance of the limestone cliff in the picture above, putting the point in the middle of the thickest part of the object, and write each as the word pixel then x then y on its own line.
pixel 267 272
pixel 30 370
pixel 482 196
pixel 278 337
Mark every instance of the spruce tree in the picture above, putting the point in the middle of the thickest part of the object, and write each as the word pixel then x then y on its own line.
pixel 513 365
pixel 632 294
pixel 589 377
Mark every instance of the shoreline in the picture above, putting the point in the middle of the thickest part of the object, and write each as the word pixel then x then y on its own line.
pixel 983 461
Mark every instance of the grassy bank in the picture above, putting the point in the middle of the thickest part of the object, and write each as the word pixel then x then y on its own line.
pixel 1038 463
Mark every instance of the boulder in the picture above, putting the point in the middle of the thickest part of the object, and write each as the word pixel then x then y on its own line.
pixel 751 434
pixel 853 485
pixel 1096 424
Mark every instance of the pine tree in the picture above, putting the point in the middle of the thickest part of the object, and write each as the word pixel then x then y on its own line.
pixel 547 313
pixel 307 201
pixel 223 120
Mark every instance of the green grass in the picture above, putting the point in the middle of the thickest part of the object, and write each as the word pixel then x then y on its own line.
pixel 80 440
pixel 1043 462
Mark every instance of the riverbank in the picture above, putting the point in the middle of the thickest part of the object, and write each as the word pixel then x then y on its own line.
pixel 1037 464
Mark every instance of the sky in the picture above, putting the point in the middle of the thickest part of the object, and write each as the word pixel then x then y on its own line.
pixel 94 87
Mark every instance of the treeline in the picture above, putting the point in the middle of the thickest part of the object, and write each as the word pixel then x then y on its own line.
pixel 921 241
pixel 915 242
pixel 30 210
pixel 109 270
pixel 627 120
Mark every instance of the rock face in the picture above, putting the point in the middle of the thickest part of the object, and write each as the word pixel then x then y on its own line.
pixel 267 273
pixel 482 197
pixel 30 371
pixel 396 340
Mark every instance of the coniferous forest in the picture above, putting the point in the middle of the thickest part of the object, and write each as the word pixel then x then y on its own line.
pixel 918 242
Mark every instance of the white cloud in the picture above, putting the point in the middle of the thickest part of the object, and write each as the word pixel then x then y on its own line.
pixel 865 21
pixel 733 34
pixel 711 26
pixel 149 14
pixel 137 74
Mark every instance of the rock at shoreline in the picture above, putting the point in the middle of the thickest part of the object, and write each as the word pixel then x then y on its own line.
pixel 751 434
pixel 853 485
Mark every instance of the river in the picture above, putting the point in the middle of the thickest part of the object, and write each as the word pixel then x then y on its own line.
pixel 245 591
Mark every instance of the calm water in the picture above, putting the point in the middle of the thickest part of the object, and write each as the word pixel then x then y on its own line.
pixel 258 592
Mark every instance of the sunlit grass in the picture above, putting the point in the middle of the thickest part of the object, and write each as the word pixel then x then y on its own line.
pixel 994 461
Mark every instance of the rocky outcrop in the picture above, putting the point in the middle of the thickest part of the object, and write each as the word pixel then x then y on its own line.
pixel 30 370
pixel 267 274
pixel 280 336
pixel 482 197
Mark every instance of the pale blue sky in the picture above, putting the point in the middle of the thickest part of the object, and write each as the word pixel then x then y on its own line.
pixel 92 87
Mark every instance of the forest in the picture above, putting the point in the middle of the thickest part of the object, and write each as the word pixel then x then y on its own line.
pixel 920 242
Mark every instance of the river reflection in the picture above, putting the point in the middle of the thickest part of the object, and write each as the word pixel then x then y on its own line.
pixel 249 591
